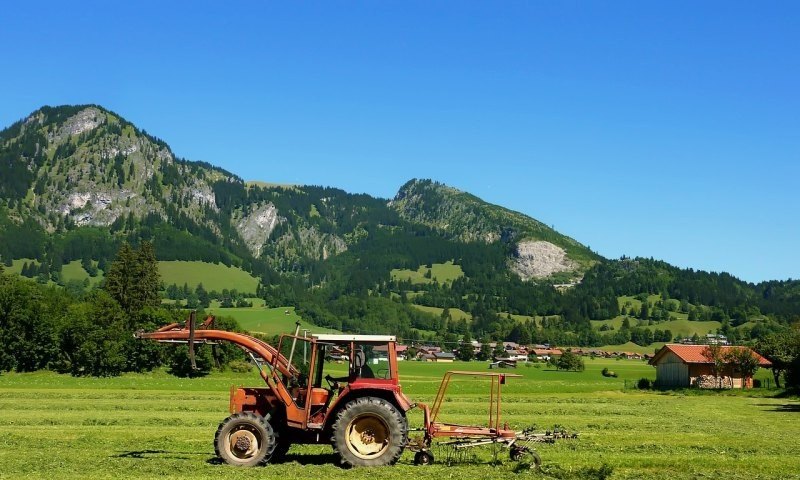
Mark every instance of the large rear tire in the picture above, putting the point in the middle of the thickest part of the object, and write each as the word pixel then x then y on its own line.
pixel 244 440
pixel 369 432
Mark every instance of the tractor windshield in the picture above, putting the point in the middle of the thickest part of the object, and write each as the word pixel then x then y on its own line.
pixel 371 360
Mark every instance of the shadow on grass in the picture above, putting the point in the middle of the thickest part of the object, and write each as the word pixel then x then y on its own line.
pixel 312 459
pixel 145 454
pixel 305 459
pixel 783 408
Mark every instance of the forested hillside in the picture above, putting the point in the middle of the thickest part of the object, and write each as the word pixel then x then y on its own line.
pixel 79 182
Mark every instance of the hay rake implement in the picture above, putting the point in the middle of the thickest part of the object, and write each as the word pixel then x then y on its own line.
pixel 520 444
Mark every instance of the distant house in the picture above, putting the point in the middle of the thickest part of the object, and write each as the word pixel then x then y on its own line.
pixel 401 350
pixel 546 353
pixel 503 363
pixel 444 357
pixel 680 366
pixel 427 350
pixel 517 355
pixel 382 351
pixel 716 339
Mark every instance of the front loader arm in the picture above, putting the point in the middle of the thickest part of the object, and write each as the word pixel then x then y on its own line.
pixel 177 332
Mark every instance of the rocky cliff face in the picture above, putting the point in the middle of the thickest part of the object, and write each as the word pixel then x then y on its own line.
pixel 540 251
pixel 256 225
pixel 540 259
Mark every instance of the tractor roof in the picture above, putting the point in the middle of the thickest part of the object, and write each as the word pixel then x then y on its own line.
pixel 325 337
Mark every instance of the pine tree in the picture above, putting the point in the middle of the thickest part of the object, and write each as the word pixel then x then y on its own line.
pixel 133 279
pixel 148 279
pixel 121 276
pixel 202 296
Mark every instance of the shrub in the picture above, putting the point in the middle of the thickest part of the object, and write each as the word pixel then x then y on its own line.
pixel 181 366
pixel 609 373
pixel 644 384
pixel 240 366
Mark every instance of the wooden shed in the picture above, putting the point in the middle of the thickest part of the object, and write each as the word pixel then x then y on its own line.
pixel 683 366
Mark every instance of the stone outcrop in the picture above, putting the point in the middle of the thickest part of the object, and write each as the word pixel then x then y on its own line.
pixel 539 259
pixel 256 226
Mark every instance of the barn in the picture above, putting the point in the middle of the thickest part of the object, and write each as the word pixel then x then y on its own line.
pixel 680 366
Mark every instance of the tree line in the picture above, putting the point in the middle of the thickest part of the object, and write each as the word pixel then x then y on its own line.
pixel 91 333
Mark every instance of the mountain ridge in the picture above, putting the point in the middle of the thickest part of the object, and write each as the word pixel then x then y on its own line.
pixel 87 166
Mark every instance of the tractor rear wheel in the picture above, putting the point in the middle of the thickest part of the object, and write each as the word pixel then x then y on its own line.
pixel 244 440
pixel 369 432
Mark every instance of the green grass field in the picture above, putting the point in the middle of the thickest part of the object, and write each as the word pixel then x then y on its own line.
pixel 681 326
pixel 455 313
pixel 153 425
pixel 212 276
pixel 441 272
pixel 268 321
pixel 70 271
pixel 632 347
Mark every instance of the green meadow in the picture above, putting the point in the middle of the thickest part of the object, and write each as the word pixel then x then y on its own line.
pixel 268 321
pixel 212 276
pixel 441 272
pixel 154 425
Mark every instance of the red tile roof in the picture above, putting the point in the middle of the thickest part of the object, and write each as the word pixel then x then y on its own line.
pixel 694 353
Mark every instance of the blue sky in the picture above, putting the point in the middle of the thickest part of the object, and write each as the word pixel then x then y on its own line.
pixel 664 129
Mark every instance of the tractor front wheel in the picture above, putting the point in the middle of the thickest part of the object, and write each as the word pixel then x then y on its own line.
pixel 369 432
pixel 244 440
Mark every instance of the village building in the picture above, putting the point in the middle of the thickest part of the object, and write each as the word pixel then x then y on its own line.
pixel 680 366
pixel 545 354
pixel 444 357
pixel 382 351
pixel 426 352
pixel 517 355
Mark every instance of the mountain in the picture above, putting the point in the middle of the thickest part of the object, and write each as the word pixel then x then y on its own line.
pixel 539 251
pixel 78 181
pixel 85 166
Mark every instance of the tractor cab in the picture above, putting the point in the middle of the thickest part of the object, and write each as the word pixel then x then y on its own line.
pixel 328 368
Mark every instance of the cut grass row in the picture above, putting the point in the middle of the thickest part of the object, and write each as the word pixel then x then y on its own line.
pixel 153 425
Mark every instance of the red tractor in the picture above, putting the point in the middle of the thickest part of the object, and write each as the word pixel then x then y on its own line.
pixel 361 414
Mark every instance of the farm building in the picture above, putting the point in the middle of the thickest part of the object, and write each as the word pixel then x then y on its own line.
pixel 441 357
pixel 446 357
pixel 546 353
pixel 685 365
